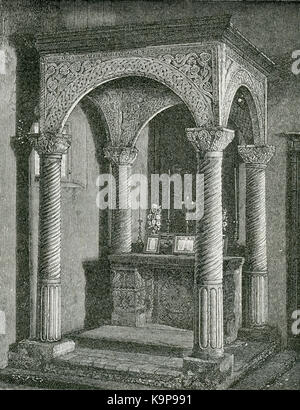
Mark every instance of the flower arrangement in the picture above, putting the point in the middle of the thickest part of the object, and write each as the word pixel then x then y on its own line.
pixel 154 219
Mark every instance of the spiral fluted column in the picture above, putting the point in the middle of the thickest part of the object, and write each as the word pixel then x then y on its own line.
pixel 121 158
pixel 256 159
pixel 208 288
pixel 50 148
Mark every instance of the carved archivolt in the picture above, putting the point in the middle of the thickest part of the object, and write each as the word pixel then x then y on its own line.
pixel 68 78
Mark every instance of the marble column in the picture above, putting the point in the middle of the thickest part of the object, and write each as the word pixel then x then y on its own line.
pixel 121 159
pixel 50 148
pixel 208 288
pixel 256 159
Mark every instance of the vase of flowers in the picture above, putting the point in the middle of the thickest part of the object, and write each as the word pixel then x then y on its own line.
pixel 154 219
pixel 225 227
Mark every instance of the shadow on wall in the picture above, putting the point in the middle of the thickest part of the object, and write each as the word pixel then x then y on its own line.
pixel 98 296
pixel 27 92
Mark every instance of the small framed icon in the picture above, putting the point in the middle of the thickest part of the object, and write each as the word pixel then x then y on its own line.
pixel 184 244
pixel 152 244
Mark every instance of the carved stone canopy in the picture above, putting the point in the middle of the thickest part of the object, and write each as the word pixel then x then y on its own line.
pixel 210 139
pixel 203 61
pixel 121 155
pixel 256 155
pixel 50 143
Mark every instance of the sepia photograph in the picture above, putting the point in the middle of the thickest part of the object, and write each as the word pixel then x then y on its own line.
pixel 150 198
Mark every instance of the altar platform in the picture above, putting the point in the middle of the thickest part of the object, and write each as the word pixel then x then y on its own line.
pixel 120 357
pixel 158 289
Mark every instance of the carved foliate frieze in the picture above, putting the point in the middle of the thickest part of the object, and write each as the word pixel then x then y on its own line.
pixel 197 67
pixel 50 142
pixel 210 138
pixel 259 155
pixel 66 78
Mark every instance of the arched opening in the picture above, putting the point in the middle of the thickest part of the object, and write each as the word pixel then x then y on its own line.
pixel 243 121
pixel 131 110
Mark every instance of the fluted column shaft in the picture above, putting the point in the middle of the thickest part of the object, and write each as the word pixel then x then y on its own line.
pixel 121 159
pixel 208 286
pixel 256 159
pixel 50 147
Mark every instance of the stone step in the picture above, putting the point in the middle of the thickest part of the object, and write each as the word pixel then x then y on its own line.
pixel 110 369
pixel 153 339
pixel 42 379
pixel 289 380
pixel 114 366
pixel 266 375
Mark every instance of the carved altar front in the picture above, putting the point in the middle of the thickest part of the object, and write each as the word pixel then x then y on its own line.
pixel 159 289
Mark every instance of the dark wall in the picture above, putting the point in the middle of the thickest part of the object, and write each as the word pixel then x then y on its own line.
pixel 7 205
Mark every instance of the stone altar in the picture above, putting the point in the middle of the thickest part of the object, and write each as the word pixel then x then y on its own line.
pixel 159 289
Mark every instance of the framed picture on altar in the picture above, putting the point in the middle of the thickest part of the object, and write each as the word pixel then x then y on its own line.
pixel 152 244
pixel 184 244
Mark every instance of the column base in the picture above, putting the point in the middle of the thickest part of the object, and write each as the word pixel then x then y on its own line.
pixel 36 354
pixel 207 374
pixel 259 334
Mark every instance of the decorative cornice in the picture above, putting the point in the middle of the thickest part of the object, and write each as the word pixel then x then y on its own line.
pixel 210 139
pixel 256 155
pixel 50 143
pixel 121 155
pixel 183 31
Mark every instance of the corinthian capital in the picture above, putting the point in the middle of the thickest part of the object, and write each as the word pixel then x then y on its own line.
pixel 50 143
pixel 208 139
pixel 256 155
pixel 121 155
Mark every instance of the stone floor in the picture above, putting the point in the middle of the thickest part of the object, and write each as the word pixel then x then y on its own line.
pixel 114 357
pixel 11 386
pixel 265 376
pixel 288 381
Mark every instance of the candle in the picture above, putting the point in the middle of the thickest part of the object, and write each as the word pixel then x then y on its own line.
pixel 35 128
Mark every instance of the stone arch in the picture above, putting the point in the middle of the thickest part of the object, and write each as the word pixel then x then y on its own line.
pixel 244 117
pixel 153 114
pixel 67 81
pixel 255 97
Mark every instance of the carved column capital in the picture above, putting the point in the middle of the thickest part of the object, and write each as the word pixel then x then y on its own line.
pixel 121 155
pixel 209 139
pixel 256 156
pixel 46 143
